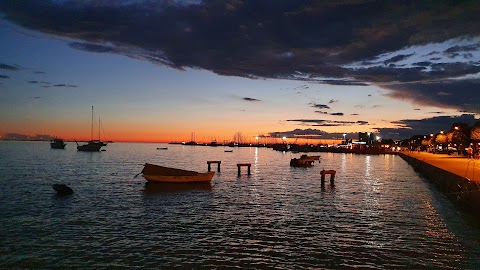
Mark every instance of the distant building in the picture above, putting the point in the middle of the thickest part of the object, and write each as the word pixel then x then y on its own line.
pixel 24 137
pixel 366 137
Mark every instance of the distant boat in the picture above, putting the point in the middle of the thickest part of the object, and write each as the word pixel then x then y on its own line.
pixel 229 151
pixel 213 143
pixel 162 148
pixel 156 173
pixel 92 145
pixel 57 143
pixel 190 143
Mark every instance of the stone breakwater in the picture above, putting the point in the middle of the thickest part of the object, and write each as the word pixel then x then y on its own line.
pixel 462 190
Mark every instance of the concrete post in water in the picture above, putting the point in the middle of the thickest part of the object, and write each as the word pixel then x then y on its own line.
pixel 239 165
pixel 332 177
pixel 216 161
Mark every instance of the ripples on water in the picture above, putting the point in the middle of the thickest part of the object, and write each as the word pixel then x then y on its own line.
pixel 380 213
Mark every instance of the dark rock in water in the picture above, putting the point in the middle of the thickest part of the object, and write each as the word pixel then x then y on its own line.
pixel 62 189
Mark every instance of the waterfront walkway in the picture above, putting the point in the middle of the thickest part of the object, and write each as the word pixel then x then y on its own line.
pixel 462 166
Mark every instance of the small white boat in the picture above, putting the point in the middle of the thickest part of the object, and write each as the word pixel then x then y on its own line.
pixel 156 173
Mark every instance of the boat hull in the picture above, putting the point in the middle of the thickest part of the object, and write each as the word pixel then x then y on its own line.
pixel 90 147
pixel 199 178
pixel 57 146
pixel 304 161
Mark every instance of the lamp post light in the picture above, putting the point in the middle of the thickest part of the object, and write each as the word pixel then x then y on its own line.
pixel 284 138
pixel 344 138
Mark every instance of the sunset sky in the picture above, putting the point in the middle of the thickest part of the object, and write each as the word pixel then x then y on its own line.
pixel 160 70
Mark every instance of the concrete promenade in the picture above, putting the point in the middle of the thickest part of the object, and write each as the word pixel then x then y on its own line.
pixel 461 166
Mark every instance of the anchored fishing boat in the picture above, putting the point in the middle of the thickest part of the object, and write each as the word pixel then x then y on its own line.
pixel 57 143
pixel 156 173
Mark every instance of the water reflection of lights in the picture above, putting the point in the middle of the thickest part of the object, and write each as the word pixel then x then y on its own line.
pixel 367 166
pixel 386 164
pixel 255 163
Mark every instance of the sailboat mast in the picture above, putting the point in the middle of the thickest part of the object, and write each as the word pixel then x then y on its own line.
pixel 91 129
pixel 99 128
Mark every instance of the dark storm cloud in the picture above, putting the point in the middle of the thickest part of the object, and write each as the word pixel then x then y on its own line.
pixel 92 47
pixel 8 67
pixel 455 49
pixel 337 114
pixel 320 106
pixel 250 99
pixel 33 82
pixel 326 123
pixel 465 94
pixel 289 39
pixel 397 58
pixel 4 77
pixel 310 133
pixel 343 82
pixel 410 127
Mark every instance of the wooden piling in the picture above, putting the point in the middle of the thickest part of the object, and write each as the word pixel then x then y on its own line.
pixel 239 165
pixel 332 177
pixel 214 161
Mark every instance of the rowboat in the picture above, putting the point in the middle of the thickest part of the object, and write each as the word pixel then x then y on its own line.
pixel 156 173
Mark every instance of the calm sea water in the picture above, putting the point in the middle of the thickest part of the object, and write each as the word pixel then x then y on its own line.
pixel 380 213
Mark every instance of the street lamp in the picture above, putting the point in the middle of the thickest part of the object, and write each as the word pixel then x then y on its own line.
pixel 284 138
pixel 344 138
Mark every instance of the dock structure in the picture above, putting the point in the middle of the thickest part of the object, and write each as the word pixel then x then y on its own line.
pixel 332 176
pixel 456 176
pixel 214 161
pixel 239 165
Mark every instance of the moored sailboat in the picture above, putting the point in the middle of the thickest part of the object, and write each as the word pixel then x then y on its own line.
pixel 92 145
